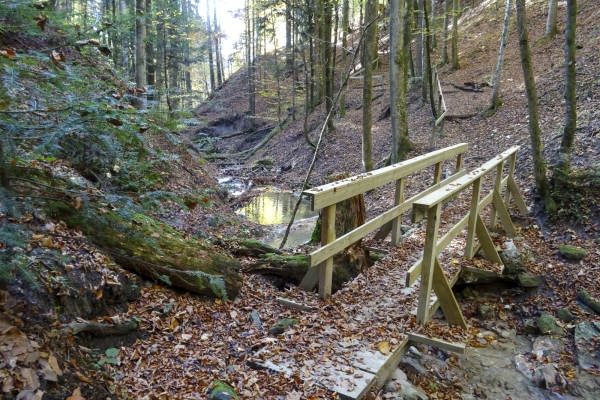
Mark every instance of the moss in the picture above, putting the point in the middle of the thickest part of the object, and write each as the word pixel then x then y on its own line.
pixel 376 256
pixel 222 391
pixel 282 325
pixel 572 253
pixel 588 300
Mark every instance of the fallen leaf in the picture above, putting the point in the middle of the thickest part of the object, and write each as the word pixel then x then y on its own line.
pixel 8 53
pixel 78 203
pixel 384 348
pixel 47 242
pixel 76 395
pixel 54 365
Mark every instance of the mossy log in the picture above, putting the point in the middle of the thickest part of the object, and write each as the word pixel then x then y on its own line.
pixel 156 250
pixel 251 248
pixel 102 329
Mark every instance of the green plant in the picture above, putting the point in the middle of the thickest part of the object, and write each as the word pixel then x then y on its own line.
pixel 111 357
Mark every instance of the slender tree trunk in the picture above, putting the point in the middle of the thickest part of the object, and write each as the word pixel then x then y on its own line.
pixel 495 103
pixel 408 19
pixel 445 32
pixel 424 53
pixel 140 51
pixel 124 42
pixel 551 23
pixel 159 59
pixel 418 59
pixel 345 27
pixel 307 103
pixel 400 141
pixel 561 169
pixel 427 68
pixel 210 48
pixel 432 27
pixel 288 37
pixel 294 68
pixel 328 71
pixel 455 15
pixel 217 52
pixel 150 62
pixel 539 166
pixel 371 9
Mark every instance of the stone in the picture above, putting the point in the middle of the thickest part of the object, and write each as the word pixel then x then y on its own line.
pixel 588 300
pixel 512 259
pixel 565 315
pixel 547 324
pixel 538 376
pixel 549 374
pixel 467 293
pixel 408 391
pixel 222 391
pixel 485 311
pixel 524 367
pixel 414 366
pixel 413 350
pixel 529 326
pixel 572 253
pixel 399 375
pixel 588 353
pixel 282 325
pixel 529 281
pixel 544 345
pixel 467 396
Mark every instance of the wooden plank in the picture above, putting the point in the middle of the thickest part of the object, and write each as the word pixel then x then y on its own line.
pixel 429 251
pixel 445 193
pixel 444 293
pixel 511 173
pixel 397 222
pixel 380 365
pixel 504 216
pixel 310 280
pixel 482 272
pixel 293 304
pixel 514 189
pixel 346 240
pixel 415 271
pixel 459 348
pixel 486 241
pixel 473 212
pixel 383 231
pixel 459 162
pixel 436 304
pixel 437 173
pixel 441 118
pixel 327 236
pixel 335 192
pixel 376 250
pixel 493 216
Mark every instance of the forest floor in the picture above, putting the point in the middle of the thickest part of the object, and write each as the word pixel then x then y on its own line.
pixel 187 342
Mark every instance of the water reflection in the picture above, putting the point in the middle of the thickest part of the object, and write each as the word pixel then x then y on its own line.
pixel 272 208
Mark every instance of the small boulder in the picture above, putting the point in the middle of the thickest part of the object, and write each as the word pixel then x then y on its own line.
pixel 565 315
pixel 512 258
pixel 222 391
pixel 529 281
pixel 586 337
pixel 588 300
pixel 547 324
pixel 282 325
pixel 408 391
pixel 529 326
pixel 543 346
pixel 572 253
pixel 485 311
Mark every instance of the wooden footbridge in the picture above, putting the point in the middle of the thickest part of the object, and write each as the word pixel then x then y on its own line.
pixel 419 286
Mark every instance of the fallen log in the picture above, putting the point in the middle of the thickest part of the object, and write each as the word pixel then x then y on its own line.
pixel 457 117
pixel 156 250
pixel 101 329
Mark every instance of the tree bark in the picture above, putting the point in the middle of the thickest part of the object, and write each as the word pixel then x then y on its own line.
pixel 495 103
pixel 539 166
pixel 217 51
pixel 288 37
pixel 455 15
pixel 561 169
pixel 345 27
pixel 551 22
pixel 445 33
pixel 370 41
pixel 211 67
pixel 327 62
pixel 150 64
pixel 140 51
pixel 418 60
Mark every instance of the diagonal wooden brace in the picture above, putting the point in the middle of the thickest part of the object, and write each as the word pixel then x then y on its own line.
pixel 500 207
pixel 447 300
pixel 486 241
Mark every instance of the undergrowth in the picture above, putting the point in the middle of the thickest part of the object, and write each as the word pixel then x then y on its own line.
pixel 578 197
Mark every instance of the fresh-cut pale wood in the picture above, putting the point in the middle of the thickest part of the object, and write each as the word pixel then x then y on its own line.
pixel 504 216
pixel 335 192
pixel 443 291
pixel 346 240
pixel 429 251
pixel 439 343
pixel 514 190
pixel 293 304
pixel 485 240
pixel 463 183
pixel 397 222
pixel 327 236
pixel 473 212
pixel 493 213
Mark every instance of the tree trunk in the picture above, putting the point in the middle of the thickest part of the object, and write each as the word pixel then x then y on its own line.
pixel 445 33
pixel 157 251
pixel 371 10
pixel 496 81
pixel 150 63
pixel 327 62
pixel 551 23
pixel 419 39
pixel 539 166
pixel 124 43
pixel 288 37
pixel 217 52
pixel 561 169
pixel 432 27
pixel 140 52
pixel 455 15
pixel 345 27
pixel 211 67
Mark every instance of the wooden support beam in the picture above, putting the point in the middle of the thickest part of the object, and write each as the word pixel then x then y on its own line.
pixel 335 192
pixel 444 293
pixel 493 213
pixel 310 280
pixel 437 173
pixel 436 304
pixel 433 225
pixel 504 216
pixel 514 190
pixel 459 348
pixel 473 212
pixel 376 250
pixel 293 304
pixel 383 231
pixel 327 236
pixel 397 222
pixel 459 162
pixel 486 241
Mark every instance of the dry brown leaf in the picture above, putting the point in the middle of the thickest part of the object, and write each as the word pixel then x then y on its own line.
pixel 384 348
pixel 8 53
pixel 76 395
pixel 78 203
pixel 47 242
pixel 54 365
pixel 98 294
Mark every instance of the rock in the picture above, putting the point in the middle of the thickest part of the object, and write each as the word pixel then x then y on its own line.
pixel 467 293
pixel 399 375
pixel 524 367
pixel 414 366
pixel 538 376
pixel 572 253
pixel 529 326
pixel 512 259
pixel 565 315
pixel 485 311
pixel 413 350
pixel 549 374
pixel 588 353
pixel 408 391
pixel 547 324
pixel 405 228
pixel 222 391
pixel 544 345
pixel 214 220
pixel 466 396
pixel 589 301
pixel 529 281
pixel 282 325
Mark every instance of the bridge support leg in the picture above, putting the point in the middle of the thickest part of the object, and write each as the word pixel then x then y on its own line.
pixel 429 257
pixel 448 302
pixel 327 236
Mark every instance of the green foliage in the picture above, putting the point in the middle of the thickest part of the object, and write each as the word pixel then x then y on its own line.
pixel 111 355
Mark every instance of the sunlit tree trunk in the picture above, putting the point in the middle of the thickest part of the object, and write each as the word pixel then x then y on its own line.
pixel 551 23
pixel 345 27
pixel 495 103
pixel 288 36
pixel 455 15
pixel 418 58
pixel 217 51
pixel 371 9
pixel 211 67
pixel 445 32
pixel 124 43
pixel 140 51
pixel 561 169
pixel 539 166
pixel 327 62
pixel 150 56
